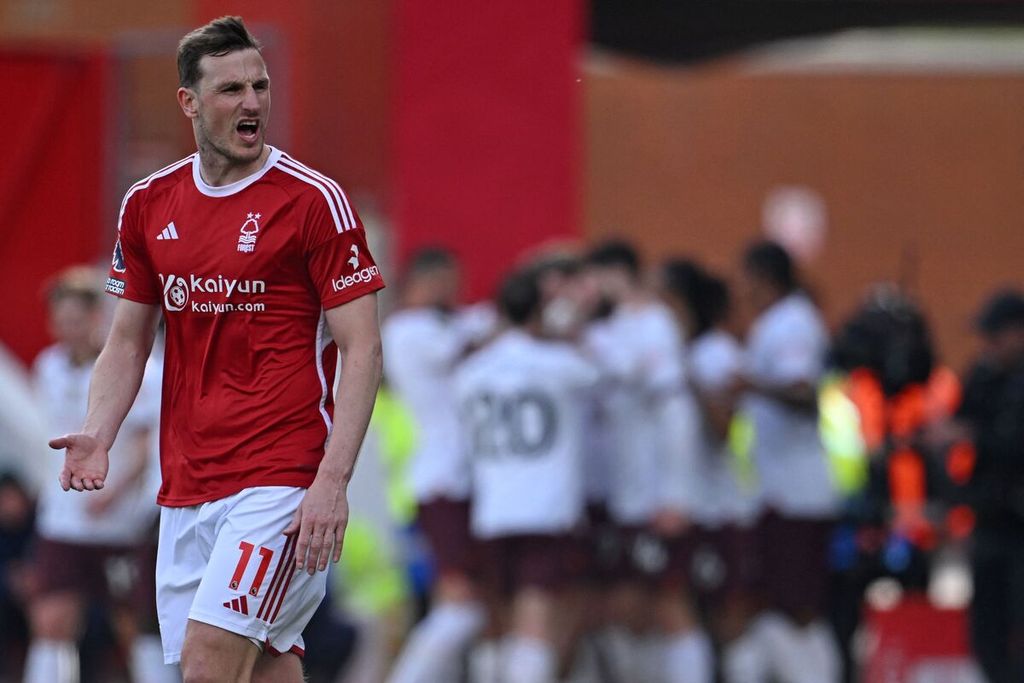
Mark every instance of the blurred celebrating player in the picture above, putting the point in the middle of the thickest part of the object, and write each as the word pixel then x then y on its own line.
pixel 520 400
pixel 256 262
pixel 423 341
pixel 786 349
pixel 654 431
pixel 89 548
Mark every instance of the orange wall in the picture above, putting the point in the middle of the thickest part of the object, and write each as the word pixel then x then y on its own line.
pixel 914 168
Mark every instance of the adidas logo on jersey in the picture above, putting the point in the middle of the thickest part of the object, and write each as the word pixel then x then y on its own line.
pixel 168 233
pixel 239 604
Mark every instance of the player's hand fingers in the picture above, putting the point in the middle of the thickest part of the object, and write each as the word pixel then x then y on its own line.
pixel 302 545
pixel 293 526
pixel 59 443
pixel 339 541
pixel 316 544
pixel 76 483
pixel 65 479
pixel 326 550
pixel 87 484
pixel 97 484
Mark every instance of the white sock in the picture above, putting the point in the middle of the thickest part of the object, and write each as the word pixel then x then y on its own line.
pixel 689 658
pixel 649 665
pixel 147 662
pixel 585 668
pixel 52 661
pixel 485 662
pixel 744 661
pixel 433 651
pixel 821 653
pixel 620 652
pixel 526 660
pixel 799 654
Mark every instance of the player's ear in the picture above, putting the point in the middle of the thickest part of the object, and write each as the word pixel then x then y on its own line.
pixel 187 100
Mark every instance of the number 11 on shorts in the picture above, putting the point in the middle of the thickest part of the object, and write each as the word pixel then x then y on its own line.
pixel 266 554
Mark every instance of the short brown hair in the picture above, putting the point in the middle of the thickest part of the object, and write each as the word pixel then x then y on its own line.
pixel 218 38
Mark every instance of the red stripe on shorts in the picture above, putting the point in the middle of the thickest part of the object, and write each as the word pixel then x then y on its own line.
pixel 287 556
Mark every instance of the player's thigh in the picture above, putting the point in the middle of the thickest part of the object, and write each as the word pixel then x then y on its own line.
pixel 285 668
pixel 212 654
pixel 251 586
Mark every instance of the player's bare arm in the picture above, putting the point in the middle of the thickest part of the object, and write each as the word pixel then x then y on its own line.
pixel 115 383
pixel 321 518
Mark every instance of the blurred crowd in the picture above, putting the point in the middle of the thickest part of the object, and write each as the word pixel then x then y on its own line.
pixel 614 472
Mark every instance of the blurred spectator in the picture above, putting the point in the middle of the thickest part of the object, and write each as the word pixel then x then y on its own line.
pixel 993 414
pixel 892 477
pixel 16 523
pixel 422 343
pixel 786 350
pixel 90 546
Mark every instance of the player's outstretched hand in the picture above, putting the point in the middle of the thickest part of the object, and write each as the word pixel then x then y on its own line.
pixel 85 462
pixel 320 524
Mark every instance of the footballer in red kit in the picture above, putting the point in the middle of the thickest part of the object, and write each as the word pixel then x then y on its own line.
pixel 260 269
pixel 245 267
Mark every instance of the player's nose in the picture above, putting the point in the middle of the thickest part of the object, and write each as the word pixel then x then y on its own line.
pixel 251 102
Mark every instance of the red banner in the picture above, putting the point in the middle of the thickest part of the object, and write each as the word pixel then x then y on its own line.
pixel 487 129
pixel 51 181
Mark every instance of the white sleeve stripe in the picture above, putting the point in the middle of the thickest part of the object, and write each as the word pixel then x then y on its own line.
pixel 323 190
pixel 338 192
pixel 340 202
pixel 145 182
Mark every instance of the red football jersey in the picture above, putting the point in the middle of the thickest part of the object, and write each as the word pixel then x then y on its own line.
pixel 243 273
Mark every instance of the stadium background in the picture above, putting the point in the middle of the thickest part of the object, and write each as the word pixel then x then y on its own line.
pixel 888 133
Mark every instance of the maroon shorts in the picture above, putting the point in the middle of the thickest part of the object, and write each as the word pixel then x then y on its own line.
pixel 512 563
pixel 645 557
pixel 445 523
pixel 591 552
pixel 793 563
pixel 724 562
pixel 122 575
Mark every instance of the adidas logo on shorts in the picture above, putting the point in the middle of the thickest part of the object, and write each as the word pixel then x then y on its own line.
pixel 239 604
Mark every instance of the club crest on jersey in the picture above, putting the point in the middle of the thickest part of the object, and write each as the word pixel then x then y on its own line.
pixel 117 262
pixel 250 230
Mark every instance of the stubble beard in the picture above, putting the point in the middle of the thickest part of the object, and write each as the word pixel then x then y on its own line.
pixel 208 148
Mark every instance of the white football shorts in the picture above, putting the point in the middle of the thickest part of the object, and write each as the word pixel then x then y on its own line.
pixel 228 564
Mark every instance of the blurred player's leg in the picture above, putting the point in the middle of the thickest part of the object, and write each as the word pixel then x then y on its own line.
pixel 686 655
pixel 434 649
pixel 56 621
pixel 744 660
pixel 528 652
pixel 436 646
pixel 485 662
pixel 52 661
pixel 147 661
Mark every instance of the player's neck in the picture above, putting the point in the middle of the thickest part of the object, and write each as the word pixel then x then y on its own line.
pixel 218 170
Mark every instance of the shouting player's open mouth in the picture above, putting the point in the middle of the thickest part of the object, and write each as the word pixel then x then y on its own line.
pixel 248 130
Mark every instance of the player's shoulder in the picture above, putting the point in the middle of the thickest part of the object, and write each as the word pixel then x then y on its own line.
pixel 159 181
pixel 316 188
pixel 715 344
pixel 794 316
